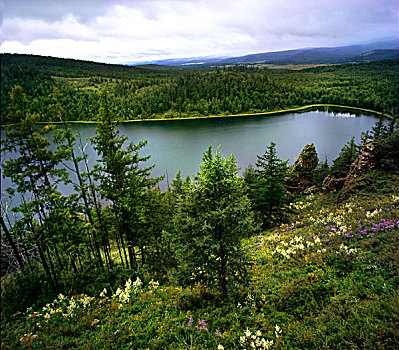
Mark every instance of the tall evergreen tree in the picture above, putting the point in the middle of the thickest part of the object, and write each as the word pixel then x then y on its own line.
pixel 35 170
pixel 64 139
pixel 212 217
pixel 267 189
pixel 122 181
pixel 346 157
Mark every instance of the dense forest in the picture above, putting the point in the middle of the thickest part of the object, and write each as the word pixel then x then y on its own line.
pixel 278 258
pixel 148 92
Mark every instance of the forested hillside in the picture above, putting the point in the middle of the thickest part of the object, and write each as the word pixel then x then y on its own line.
pixel 282 257
pixel 146 93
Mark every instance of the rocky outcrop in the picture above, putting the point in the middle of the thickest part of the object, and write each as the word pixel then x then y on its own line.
pixel 363 164
pixel 301 174
pixel 332 184
pixel 311 190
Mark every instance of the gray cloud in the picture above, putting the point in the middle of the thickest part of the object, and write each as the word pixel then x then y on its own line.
pixel 53 10
pixel 127 31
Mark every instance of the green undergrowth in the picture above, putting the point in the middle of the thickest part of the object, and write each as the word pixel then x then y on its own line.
pixel 327 280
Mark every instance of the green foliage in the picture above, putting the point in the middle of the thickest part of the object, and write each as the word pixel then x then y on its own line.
pixel 213 215
pixel 267 188
pixel 321 171
pixel 24 289
pixel 31 172
pixel 122 180
pixel 146 93
pixel 329 280
pixel 386 152
pixel 347 156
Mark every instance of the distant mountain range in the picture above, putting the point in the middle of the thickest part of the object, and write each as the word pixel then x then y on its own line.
pixel 382 50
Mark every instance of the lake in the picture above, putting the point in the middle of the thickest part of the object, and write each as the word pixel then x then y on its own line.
pixel 179 144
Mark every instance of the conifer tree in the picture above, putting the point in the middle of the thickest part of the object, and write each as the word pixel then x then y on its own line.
pixel 31 172
pixel 346 157
pixel 267 189
pixel 213 215
pixel 64 138
pixel 122 180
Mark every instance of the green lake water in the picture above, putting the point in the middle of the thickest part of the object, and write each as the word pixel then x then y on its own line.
pixel 179 144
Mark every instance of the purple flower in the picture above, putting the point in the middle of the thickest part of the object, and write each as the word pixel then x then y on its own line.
pixel 190 323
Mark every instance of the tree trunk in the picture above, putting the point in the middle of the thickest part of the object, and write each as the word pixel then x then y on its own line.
pixel 47 269
pixel 12 244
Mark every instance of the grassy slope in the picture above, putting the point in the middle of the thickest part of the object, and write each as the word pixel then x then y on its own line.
pixel 329 280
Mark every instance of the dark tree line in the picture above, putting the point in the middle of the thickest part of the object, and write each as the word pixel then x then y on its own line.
pixel 147 93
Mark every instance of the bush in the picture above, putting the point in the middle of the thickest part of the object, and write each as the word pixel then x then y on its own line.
pixel 386 152
pixel 24 289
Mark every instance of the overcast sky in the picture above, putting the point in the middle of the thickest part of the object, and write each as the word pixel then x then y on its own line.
pixel 122 31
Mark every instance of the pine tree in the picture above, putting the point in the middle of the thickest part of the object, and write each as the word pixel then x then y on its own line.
pixel 35 170
pixel 65 139
pixel 267 190
pixel 122 180
pixel 346 157
pixel 212 217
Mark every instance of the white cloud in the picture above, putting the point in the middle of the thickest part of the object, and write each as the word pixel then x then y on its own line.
pixel 128 31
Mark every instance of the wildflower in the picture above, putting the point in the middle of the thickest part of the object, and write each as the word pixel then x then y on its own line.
pixel 201 325
pixel 102 294
pixel 220 347
pixel 278 331
pixel 154 285
pixel 190 323
pixel 137 284
pixel 267 344
pixel 217 333
pixel 242 340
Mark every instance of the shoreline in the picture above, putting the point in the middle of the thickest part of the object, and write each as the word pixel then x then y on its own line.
pixel 282 111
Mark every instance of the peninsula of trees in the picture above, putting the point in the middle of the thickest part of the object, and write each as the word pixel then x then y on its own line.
pixel 150 92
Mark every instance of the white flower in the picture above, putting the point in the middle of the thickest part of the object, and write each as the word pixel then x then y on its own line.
pixel 242 340
pixel 278 331
pixel 220 347
pixel 154 285
pixel 267 344
pixel 248 333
